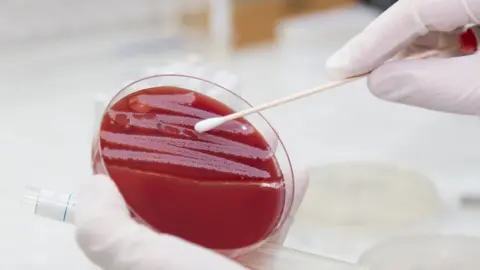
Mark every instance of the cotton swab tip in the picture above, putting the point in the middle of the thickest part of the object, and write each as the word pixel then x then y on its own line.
pixel 209 124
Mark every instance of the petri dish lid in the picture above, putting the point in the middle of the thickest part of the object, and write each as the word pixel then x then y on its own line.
pixel 368 195
pixel 424 252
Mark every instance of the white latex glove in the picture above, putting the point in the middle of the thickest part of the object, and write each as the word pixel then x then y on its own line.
pixel 410 26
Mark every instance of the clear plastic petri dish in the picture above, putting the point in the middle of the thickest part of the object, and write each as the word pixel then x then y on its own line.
pixel 350 206
pixel 424 252
pixel 228 189
pixel 368 196
pixel 274 257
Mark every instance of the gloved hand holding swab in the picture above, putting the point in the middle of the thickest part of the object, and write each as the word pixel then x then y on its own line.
pixel 211 123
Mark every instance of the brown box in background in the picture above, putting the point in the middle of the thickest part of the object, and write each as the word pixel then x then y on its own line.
pixel 197 20
pixel 302 7
pixel 255 21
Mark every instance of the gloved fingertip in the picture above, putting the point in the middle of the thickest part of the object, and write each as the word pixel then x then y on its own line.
pixel 337 66
pixel 301 185
pixel 302 181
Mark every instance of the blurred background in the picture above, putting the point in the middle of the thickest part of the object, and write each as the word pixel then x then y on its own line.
pixel 55 56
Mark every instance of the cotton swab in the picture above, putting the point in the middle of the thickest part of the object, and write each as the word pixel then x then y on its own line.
pixel 211 123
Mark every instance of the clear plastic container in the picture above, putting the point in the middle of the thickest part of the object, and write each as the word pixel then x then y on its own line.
pixel 425 252
pixel 222 197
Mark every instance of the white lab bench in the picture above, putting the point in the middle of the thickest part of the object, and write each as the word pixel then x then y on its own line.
pixel 46 113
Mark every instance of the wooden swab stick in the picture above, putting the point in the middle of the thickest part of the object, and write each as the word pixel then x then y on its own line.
pixel 211 123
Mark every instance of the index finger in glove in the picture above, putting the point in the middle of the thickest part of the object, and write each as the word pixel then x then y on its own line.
pixel 301 185
pixel 394 29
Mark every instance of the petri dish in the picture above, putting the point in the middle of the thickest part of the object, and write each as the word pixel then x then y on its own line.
pixel 368 195
pixel 270 256
pixel 228 189
pixel 424 252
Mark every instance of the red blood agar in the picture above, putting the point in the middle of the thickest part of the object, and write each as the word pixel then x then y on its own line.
pixel 222 189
